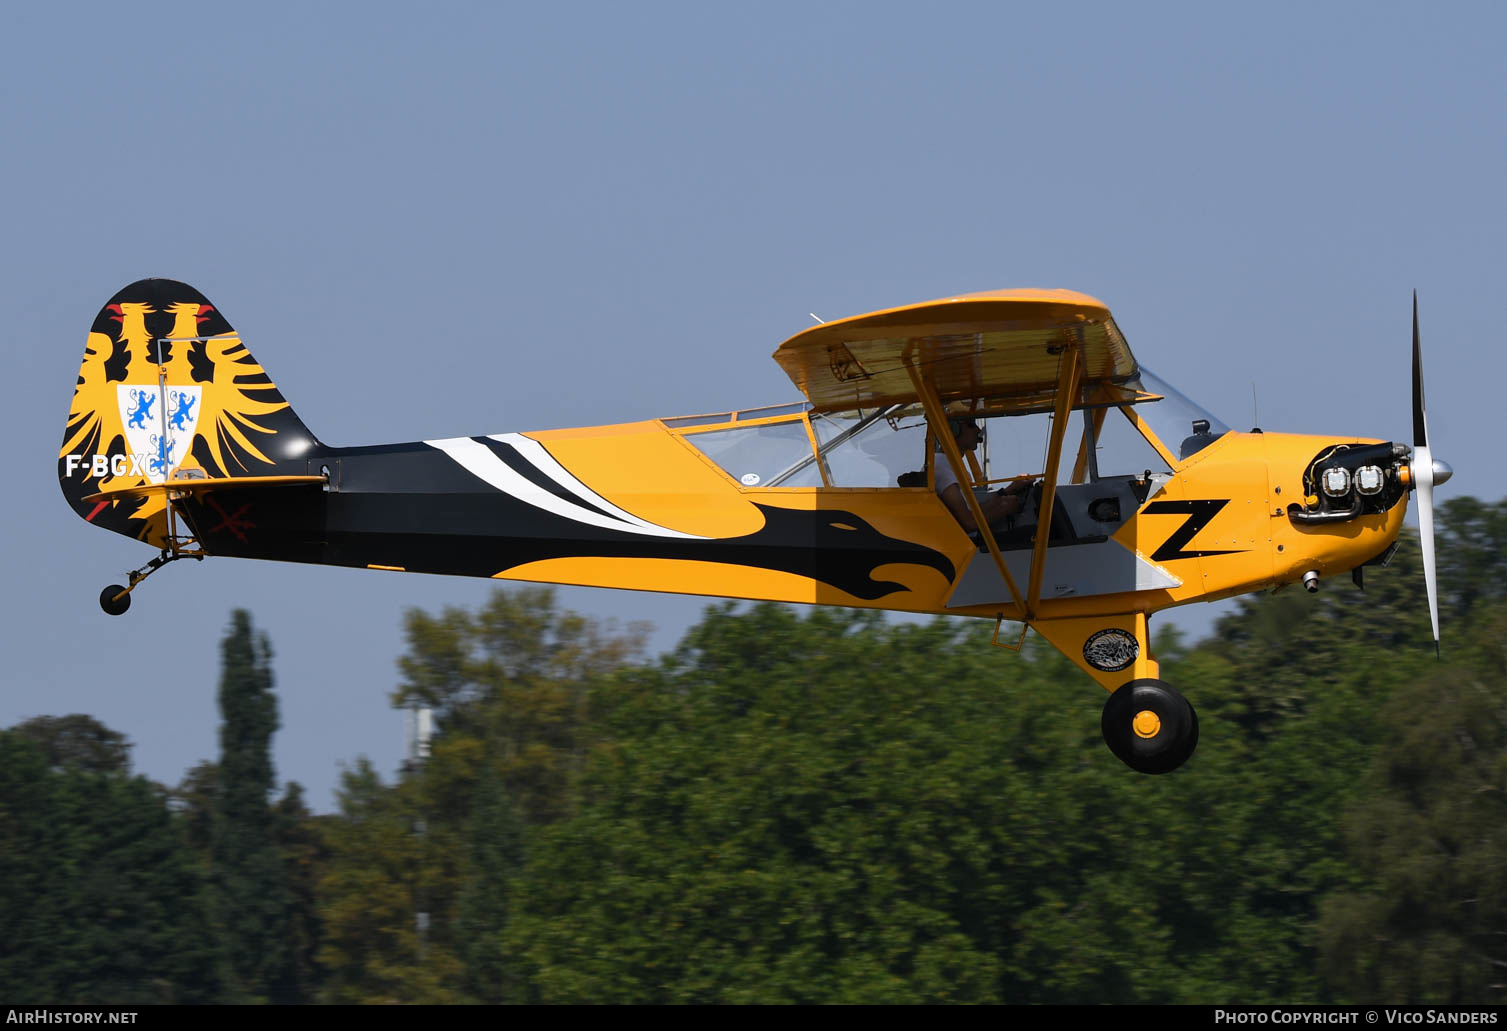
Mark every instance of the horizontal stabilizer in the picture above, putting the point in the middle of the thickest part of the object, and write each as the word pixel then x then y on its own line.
pixel 178 488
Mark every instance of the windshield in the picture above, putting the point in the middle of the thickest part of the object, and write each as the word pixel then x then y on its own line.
pixel 1179 423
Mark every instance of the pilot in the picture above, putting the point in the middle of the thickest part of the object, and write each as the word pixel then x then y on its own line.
pixel 998 506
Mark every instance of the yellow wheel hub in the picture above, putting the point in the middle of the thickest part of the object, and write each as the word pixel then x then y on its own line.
pixel 1146 724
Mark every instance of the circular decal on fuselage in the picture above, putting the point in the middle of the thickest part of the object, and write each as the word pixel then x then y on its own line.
pixel 1111 650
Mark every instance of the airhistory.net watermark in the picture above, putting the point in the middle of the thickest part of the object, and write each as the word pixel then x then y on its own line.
pixel 38 1015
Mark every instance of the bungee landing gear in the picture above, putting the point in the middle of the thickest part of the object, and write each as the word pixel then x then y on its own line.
pixel 115 599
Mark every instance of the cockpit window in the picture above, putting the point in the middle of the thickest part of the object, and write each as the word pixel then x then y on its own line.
pixel 770 454
pixel 871 449
pixel 1183 427
pixel 1119 448
pixel 878 447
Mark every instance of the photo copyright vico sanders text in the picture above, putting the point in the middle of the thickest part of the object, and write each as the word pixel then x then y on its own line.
pixel 1357 1016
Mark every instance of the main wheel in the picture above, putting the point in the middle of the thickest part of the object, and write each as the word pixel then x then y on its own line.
pixel 1150 726
pixel 114 606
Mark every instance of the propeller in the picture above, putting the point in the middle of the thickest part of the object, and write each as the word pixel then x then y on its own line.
pixel 1427 473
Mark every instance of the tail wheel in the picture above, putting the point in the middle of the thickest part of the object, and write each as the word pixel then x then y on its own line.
pixel 1150 726
pixel 114 601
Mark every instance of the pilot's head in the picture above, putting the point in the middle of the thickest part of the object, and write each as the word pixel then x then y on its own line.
pixel 966 431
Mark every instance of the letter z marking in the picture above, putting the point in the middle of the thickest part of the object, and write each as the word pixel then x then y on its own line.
pixel 1199 513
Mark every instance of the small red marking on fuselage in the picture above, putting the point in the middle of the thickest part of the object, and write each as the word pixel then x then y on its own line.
pixel 233 523
pixel 97 509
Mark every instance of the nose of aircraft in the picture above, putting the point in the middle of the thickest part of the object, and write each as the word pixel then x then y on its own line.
pixel 1442 471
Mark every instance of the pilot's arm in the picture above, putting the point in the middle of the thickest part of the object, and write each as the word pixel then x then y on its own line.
pixel 996 506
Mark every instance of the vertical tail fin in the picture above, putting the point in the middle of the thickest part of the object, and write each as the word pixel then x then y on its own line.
pixel 167 389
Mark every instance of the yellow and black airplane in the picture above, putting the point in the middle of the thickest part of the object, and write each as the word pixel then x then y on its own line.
pixel 177 437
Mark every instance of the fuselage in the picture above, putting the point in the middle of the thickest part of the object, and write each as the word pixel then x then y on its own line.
pixel 641 506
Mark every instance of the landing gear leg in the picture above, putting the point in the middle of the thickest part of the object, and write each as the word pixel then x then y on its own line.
pixel 1147 724
pixel 1150 726
pixel 115 599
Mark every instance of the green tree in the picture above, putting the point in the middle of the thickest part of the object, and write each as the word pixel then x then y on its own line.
pixel 196 799
pixel 100 899
pixel 1431 835
pixel 496 851
pixel 1472 548
pixel 836 809
pixel 387 865
pixel 250 880
pixel 510 687
pixel 79 741
pixel 295 832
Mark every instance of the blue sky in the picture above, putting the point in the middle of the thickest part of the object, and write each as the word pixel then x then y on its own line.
pixel 475 218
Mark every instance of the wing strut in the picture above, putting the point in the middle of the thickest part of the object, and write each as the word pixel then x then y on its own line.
pixel 937 419
pixel 1087 464
pixel 1068 378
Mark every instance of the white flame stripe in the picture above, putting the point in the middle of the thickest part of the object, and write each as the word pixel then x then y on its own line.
pixel 535 454
pixel 477 459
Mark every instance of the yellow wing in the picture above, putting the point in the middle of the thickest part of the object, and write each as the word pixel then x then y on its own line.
pixel 998 344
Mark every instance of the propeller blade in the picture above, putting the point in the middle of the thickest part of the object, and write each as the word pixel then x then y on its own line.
pixel 1420 418
pixel 1423 480
pixel 1423 484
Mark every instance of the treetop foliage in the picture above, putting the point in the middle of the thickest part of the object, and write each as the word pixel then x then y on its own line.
pixel 78 741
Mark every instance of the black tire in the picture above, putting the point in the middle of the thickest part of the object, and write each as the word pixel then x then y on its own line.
pixel 1173 733
pixel 108 602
